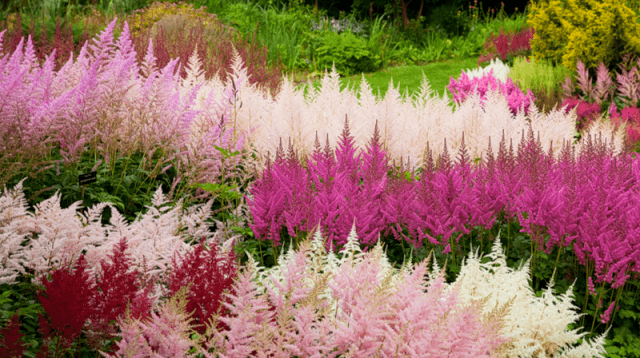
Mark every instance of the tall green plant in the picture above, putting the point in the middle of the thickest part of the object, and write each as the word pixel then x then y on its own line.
pixel 537 75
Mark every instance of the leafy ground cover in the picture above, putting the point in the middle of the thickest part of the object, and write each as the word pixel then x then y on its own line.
pixel 191 192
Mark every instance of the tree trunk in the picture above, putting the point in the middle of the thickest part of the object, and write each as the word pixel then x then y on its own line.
pixel 370 11
pixel 419 14
pixel 405 17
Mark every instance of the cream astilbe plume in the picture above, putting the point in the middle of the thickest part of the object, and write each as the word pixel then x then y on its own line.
pixel 537 325
pixel 13 213
pixel 406 124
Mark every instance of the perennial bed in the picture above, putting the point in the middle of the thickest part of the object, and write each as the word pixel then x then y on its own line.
pixel 356 171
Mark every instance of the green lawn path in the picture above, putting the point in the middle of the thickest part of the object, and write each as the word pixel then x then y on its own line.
pixel 409 78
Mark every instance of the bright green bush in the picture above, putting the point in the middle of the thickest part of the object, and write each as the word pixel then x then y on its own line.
pixel 349 53
pixel 589 30
pixel 537 75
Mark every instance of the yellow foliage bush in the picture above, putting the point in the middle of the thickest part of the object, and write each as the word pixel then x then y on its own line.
pixel 145 19
pixel 589 30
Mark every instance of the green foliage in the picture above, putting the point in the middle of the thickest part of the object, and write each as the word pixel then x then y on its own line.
pixel 537 75
pixel 589 30
pixel 22 298
pixel 127 183
pixel 349 53
pixel 449 18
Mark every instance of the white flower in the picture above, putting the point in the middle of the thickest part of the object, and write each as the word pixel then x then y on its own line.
pixel 500 71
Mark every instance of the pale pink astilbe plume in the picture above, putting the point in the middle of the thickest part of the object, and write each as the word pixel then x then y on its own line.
pixel 165 334
pixel 535 329
pixel 154 237
pixel 249 316
pixel 13 212
pixel 604 85
pixel 584 82
pixel 461 333
pixel 59 238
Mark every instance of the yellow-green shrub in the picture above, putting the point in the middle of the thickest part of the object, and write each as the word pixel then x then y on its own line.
pixel 144 19
pixel 589 30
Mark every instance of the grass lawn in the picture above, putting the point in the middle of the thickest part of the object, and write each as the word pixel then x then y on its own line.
pixel 408 77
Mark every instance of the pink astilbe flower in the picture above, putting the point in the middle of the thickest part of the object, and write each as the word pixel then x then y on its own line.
pixel 165 334
pixel 604 318
pixel 630 116
pixel 463 87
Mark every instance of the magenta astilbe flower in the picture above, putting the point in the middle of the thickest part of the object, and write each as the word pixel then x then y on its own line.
pixel 604 318
pixel 462 88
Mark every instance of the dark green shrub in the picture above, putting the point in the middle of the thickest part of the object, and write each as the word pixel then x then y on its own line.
pixel 349 53
pixel 450 19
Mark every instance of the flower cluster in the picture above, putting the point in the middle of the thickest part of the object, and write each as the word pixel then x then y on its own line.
pixel 498 69
pixel 517 100
pixel 450 198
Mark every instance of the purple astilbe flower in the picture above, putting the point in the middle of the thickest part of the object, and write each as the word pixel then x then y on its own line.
pixel 367 213
pixel 298 196
pixel 604 318
pixel 267 205
pixel 398 204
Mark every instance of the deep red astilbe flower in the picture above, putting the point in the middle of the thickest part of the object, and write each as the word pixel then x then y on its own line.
pixel 210 273
pixel 10 345
pixel 119 286
pixel 67 299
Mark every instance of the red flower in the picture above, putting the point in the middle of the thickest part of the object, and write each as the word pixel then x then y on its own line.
pixel 118 287
pixel 68 300
pixel 10 345
pixel 210 274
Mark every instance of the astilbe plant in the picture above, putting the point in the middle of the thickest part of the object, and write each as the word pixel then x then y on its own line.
pixel 314 304
pixel 332 193
pixel 536 186
pixel 54 237
pixel 498 69
pixel 506 46
pixel 10 345
pixel 625 91
pixel 208 273
pixel 215 43
pixel 165 333
pixel 67 302
pixel 106 102
pixel 460 90
pixel 118 289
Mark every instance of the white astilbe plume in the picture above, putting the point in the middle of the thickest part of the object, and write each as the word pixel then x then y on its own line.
pixel 500 71
pixel 56 236
pixel 537 324
pixel 406 124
